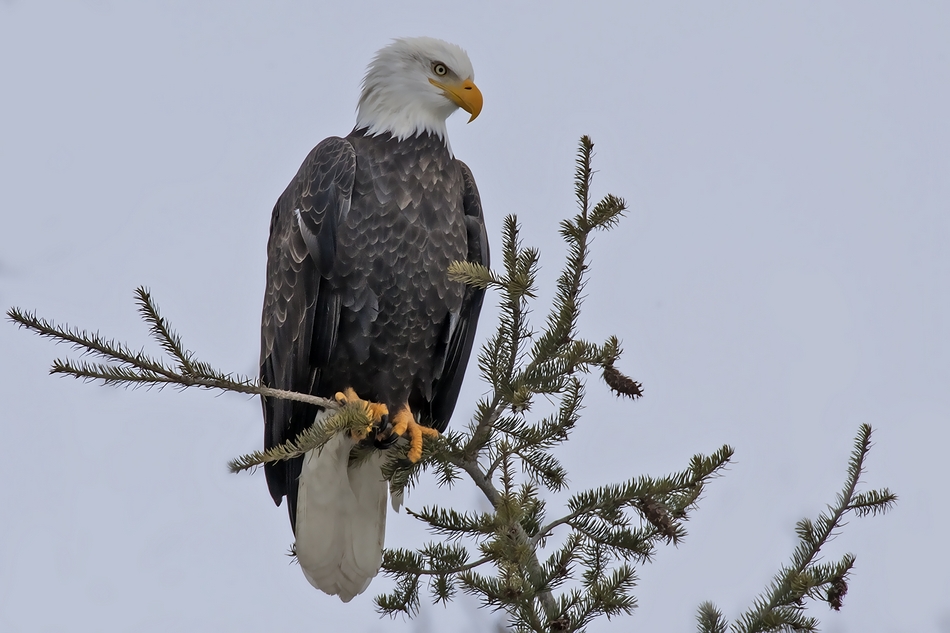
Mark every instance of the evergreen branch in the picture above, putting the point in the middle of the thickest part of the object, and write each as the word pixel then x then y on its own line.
pixel 550 431
pixel 422 571
pixel 562 320
pixel 109 374
pixel 454 524
pixel 642 492
pixel 86 342
pixel 401 565
pixel 872 502
pixel 139 369
pixel 543 467
pixel 474 274
pixel 607 213
pixel 710 619
pixel 609 596
pixel 557 569
pixel 517 534
pixel 161 330
pixel 583 174
pixel 500 357
pixel 781 608
pixel 351 419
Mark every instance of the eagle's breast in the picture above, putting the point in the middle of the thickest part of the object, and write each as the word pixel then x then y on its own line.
pixel 404 227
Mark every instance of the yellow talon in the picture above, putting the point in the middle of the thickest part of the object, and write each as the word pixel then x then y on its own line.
pixel 374 410
pixel 342 397
pixel 404 421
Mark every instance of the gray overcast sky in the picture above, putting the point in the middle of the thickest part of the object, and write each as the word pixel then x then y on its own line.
pixel 783 276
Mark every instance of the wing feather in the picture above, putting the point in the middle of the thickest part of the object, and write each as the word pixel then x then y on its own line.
pixel 301 314
pixel 460 327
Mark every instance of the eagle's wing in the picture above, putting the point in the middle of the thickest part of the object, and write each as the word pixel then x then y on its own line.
pixel 460 333
pixel 301 314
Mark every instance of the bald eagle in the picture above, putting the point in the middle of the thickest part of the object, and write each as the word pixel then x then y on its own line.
pixel 358 305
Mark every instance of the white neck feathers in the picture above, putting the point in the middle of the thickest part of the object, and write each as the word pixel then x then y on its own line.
pixel 397 97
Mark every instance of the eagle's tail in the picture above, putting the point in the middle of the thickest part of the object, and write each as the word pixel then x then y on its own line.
pixel 341 519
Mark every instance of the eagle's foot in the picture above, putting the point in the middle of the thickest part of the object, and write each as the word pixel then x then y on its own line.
pixel 377 413
pixel 404 422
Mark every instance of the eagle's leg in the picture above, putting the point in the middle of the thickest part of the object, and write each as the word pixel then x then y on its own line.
pixel 404 421
pixel 377 413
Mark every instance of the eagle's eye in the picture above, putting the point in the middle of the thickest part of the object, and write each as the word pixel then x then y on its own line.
pixel 439 69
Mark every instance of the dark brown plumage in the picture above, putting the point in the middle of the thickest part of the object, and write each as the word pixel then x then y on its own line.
pixel 357 290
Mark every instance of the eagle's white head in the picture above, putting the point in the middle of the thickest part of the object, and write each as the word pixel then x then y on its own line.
pixel 413 85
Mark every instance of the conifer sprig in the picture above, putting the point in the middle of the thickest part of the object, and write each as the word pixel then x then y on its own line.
pixel 351 418
pixel 123 367
pixel 782 606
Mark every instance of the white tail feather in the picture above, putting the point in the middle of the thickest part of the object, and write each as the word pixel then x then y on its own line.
pixel 341 519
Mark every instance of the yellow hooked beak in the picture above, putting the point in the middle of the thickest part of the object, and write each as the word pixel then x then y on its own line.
pixel 465 95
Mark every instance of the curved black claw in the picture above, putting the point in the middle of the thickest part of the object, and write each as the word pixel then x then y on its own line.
pixel 383 436
pixel 385 442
